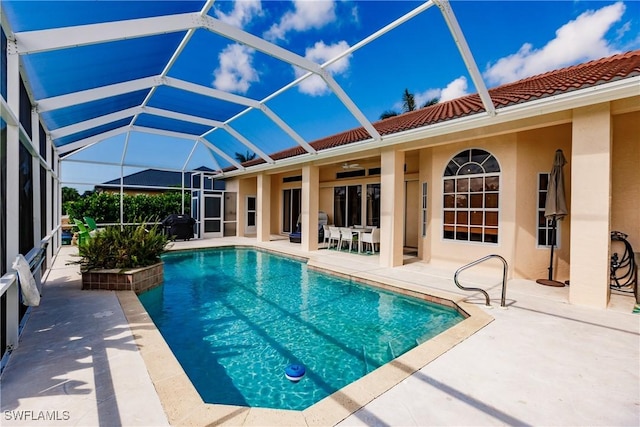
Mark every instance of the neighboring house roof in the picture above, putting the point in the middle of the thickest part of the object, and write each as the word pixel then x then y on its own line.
pixel 552 83
pixel 154 178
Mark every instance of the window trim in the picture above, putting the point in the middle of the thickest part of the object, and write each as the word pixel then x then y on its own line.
pixel 445 177
pixel 548 224
pixel 424 208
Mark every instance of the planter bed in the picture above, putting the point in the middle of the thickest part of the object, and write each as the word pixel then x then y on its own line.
pixel 137 279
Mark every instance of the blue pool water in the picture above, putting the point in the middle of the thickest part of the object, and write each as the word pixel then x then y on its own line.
pixel 236 318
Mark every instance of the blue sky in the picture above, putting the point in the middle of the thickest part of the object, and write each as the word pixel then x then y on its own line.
pixel 509 40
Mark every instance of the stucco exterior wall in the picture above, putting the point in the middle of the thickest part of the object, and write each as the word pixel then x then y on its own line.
pixel 326 202
pixel 276 201
pixel 504 148
pixel 625 177
pixel 536 151
pixel 524 149
pixel 591 136
pixel 425 175
pixel 244 188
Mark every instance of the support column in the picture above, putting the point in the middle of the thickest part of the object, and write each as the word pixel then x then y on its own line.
pixel 264 208
pixel 590 210
pixel 35 162
pixel 241 204
pixel 13 154
pixel 57 198
pixel 49 202
pixel 12 207
pixel 391 208
pixel 310 206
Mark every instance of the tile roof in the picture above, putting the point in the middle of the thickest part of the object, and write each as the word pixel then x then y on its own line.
pixel 588 74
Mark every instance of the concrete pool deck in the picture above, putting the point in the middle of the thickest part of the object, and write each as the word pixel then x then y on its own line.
pixel 540 361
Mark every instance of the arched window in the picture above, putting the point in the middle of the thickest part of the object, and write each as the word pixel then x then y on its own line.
pixel 471 196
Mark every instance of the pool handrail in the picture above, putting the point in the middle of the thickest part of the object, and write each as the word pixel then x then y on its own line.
pixel 505 267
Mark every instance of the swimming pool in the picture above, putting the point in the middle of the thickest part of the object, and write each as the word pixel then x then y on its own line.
pixel 235 318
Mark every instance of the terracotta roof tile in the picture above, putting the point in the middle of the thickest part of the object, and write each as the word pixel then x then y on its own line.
pixel 564 80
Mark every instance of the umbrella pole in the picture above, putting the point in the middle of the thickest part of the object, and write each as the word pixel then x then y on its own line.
pixel 553 244
pixel 550 281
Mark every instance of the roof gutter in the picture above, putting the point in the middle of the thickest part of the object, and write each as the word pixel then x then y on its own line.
pixel 607 92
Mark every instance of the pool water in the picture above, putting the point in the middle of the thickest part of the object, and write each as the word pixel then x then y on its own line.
pixel 236 318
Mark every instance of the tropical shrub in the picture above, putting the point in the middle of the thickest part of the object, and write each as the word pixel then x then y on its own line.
pixel 105 207
pixel 123 247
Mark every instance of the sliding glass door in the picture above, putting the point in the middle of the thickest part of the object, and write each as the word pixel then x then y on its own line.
pixel 373 205
pixel 291 208
pixel 347 205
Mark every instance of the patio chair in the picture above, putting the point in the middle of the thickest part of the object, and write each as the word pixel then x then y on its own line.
pixel 83 232
pixel 91 223
pixel 347 235
pixel 326 234
pixel 334 236
pixel 372 239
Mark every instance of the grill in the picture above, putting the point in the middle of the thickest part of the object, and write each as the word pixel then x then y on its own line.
pixel 179 226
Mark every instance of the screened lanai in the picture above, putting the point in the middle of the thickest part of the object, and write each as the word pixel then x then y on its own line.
pixel 96 91
pixel 182 85
pixel 282 102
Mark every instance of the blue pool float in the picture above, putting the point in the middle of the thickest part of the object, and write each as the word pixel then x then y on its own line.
pixel 294 372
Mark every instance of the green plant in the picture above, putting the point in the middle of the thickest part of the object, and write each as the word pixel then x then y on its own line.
pixel 105 207
pixel 126 247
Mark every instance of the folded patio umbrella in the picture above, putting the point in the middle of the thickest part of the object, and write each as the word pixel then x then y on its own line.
pixel 555 208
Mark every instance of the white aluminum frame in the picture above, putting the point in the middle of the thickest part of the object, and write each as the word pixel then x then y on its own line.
pixel 29 42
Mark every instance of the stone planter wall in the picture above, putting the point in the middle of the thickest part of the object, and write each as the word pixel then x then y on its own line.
pixel 137 280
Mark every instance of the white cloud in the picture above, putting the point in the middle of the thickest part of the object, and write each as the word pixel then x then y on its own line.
pixel 620 32
pixel 308 14
pixel 579 40
pixel 423 97
pixel 455 89
pixel 321 53
pixel 236 72
pixel 242 13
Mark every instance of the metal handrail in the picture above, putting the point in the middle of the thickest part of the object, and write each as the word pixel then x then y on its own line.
pixel 10 289
pixel 486 295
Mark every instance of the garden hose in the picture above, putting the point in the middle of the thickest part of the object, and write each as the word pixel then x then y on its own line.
pixel 624 270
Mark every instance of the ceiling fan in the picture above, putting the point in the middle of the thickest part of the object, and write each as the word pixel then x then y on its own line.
pixel 347 165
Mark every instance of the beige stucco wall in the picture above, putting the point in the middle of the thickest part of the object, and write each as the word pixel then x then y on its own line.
pixel 244 187
pixel 425 175
pixel 504 148
pixel 591 136
pixel 263 208
pixel 536 151
pixel 625 177
pixel 326 202
pixel 524 149
pixel 276 200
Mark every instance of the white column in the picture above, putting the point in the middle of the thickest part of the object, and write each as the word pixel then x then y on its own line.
pixel 310 206
pixel 49 202
pixel 13 155
pixel 57 198
pixel 263 208
pixel 391 208
pixel 35 165
pixel 12 217
pixel 590 210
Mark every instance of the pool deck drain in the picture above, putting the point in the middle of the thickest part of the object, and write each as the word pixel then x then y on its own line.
pixel 91 358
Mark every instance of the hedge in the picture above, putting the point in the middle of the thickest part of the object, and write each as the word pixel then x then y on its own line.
pixel 105 207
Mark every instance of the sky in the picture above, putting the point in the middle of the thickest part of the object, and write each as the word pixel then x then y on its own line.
pixel 509 40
